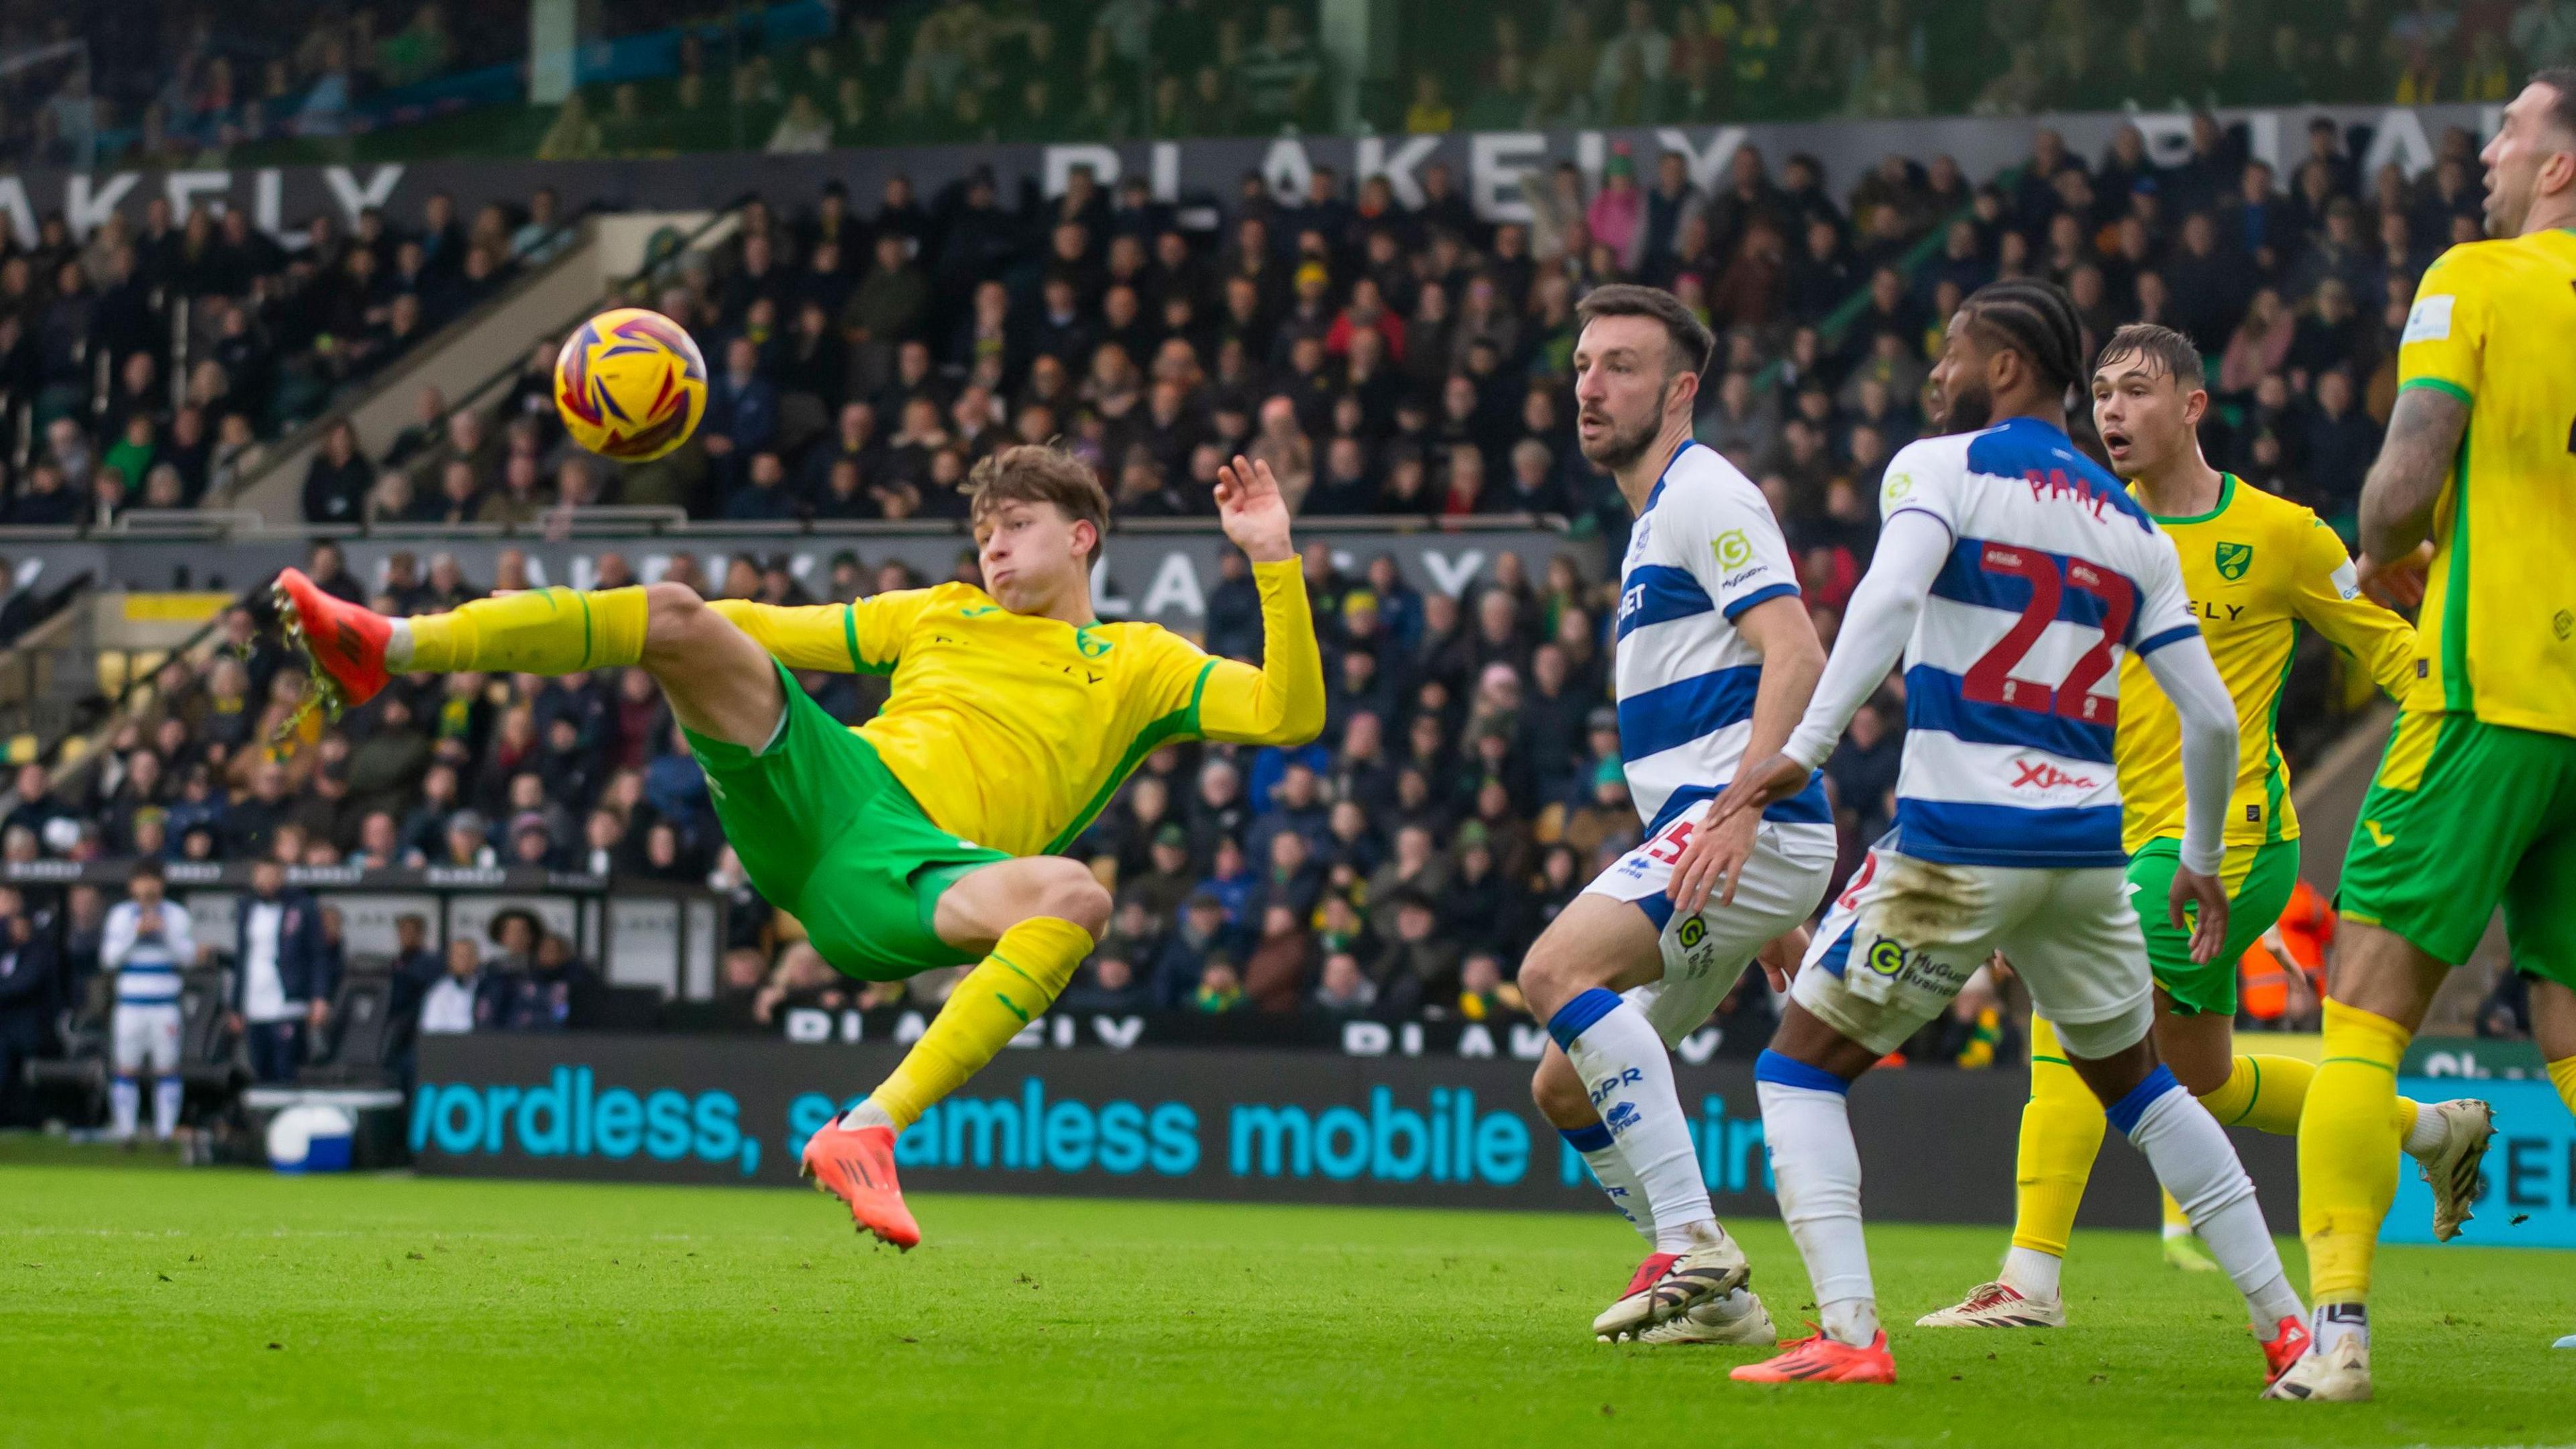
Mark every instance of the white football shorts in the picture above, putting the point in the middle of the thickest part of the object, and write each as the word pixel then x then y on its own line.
pixel 1783 880
pixel 147 1036
pixel 1905 935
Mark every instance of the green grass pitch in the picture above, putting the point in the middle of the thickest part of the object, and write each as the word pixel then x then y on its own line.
pixel 156 1307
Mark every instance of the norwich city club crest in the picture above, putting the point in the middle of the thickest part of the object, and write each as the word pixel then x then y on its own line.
pixel 2234 559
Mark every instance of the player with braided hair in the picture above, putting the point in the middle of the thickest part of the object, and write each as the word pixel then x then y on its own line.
pixel 2012 576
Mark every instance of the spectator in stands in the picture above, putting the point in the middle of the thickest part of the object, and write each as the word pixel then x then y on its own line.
pixel 281 985
pixel 464 999
pixel 1183 960
pixel 32 991
pixel 1109 988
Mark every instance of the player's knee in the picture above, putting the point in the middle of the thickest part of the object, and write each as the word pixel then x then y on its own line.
pixel 1551 975
pixel 2201 1078
pixel 672 606
pixel 1073 894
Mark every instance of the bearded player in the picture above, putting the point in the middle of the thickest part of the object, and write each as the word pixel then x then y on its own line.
pixel 2474 805
pixel 2257 567
pixel 1716 658
pixel 927 836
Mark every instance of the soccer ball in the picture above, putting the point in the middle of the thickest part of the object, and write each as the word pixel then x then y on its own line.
pixel 630 385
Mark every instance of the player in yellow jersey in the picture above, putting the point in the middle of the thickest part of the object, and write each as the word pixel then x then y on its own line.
pixel 2258 568
pixel 2475 801
pixel 924 837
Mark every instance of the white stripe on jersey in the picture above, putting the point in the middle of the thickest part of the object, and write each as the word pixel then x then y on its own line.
pixel 1705 548
pixel 2003 765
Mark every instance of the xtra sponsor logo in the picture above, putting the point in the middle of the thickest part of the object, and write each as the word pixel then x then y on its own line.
pixel 2045 775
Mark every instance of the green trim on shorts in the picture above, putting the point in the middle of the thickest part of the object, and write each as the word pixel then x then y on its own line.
pixel 2253 907
pixel 2483 816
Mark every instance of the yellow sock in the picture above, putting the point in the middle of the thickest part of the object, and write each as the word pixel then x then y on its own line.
pixel 543 631
pixel 2348 1143
pixel 1028 967
pixel 2562 1074
pixel 2061 1133
pixel 2265 1093
pixel 2177 1225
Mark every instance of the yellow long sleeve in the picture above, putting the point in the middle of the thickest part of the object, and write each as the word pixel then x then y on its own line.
pixel 2383 642
pixel 1282 702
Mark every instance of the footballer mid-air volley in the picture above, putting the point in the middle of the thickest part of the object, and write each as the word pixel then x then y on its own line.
pixel 2087 630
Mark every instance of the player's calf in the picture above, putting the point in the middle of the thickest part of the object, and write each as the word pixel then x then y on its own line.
pixel 1573 977
pixel 1561 1099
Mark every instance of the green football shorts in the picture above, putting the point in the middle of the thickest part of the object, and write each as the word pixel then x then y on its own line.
pixel 827 833
pixel 2464 816
pixel 2258 882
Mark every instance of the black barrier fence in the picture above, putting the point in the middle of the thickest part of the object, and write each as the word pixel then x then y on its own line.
pixel 643 934
pixel 1241 1125
pixel 1366 1035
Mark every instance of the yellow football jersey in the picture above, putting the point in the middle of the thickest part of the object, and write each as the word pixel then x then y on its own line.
pixel 2492 326
pixel 1013 731
pixel 2257 567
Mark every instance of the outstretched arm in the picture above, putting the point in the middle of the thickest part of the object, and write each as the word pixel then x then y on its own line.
pixel 2329 600
pixel 1282 702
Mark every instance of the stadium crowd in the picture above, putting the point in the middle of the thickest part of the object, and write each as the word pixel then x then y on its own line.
pixel 1387 362
pixel 168 84
pixel 151 363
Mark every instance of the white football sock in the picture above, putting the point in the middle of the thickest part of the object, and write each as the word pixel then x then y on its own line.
pixel 124 1104
pixel 1815 1167
pixel 398 646
pixel 1734 1303
pixel 2431 1129
pixel 2197 1164
pixel 2335 1322
pixel 2032 1273
pixel 866 1114
pixel 1610 1168
pixel 166 1093
pixel 1624 1067
pixel 1849 1320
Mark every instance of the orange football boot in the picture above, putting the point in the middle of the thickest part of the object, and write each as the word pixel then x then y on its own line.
pixel 1821 1360
pixel 343 644
pixel 856 1165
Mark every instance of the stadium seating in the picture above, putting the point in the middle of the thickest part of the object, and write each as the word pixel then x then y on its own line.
pixel 446 78
pixel 1403 367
